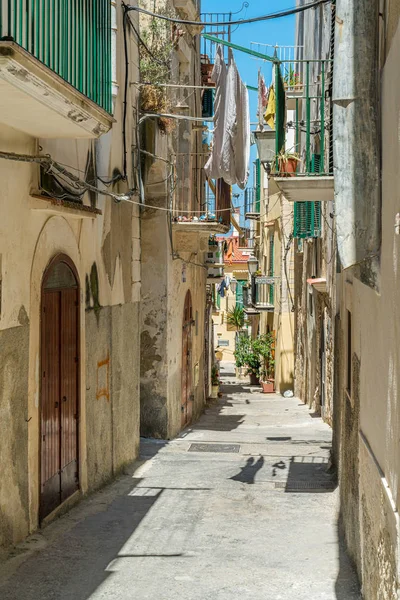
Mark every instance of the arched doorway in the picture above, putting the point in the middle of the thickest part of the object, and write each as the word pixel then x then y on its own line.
pixel 59 401
pixel 187 404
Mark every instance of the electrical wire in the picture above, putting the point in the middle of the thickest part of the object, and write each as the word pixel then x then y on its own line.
pixel 277 15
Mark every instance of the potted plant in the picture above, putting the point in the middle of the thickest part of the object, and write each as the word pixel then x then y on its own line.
pixel 292 80
pixel 247 356
pixel 214 381
pixel 287 163
pixel 264 345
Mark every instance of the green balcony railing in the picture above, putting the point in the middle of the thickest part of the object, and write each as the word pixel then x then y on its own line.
pixel 304 87
pixel 71 37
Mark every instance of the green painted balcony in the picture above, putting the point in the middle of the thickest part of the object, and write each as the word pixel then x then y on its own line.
pixel 303 165
pixel 55 67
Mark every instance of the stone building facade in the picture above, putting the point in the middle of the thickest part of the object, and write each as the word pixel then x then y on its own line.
pixel 70 268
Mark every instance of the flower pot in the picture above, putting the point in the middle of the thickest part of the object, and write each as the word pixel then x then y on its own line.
pixel 287 167
pixel 254 379
pixel 268 386
pixel 214 391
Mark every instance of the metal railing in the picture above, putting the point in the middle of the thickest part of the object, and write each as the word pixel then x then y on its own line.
pixel 71 37
pixel 251 201
pixel 208 48
pixel 308 136
pixel 194 196
pixel 263 295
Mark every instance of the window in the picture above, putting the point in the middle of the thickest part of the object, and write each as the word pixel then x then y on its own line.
pixel 307 220
pixel 349 353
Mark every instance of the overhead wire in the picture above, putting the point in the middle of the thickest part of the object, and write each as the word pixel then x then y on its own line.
pixel 276 15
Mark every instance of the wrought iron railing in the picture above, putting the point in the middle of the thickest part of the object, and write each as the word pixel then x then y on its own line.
pixel 306 85
pixel 194 197
pixel 251 201
pixel 71 37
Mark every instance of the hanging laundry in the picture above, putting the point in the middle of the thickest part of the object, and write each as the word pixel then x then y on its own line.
pixel 230 155
pixel 270 112
pixel 221 288
pixel 218 76
pixel 235 152
pixel 262 100
pixel 242 146
pixel 229 253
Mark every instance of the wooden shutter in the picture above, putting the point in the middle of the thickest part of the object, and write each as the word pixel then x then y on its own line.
pixel 307 219
pixel 208 103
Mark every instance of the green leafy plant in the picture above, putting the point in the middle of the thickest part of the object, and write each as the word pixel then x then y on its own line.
pixel 156 47
pixel 215 375
pixel 264 345
pixel 257 355
pixel 236 317
pixel 292 78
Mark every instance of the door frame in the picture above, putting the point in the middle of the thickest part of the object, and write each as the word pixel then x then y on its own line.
pixel 187 326
pixel 59 258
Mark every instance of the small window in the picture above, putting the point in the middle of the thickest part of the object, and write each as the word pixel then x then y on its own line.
pixel 59 277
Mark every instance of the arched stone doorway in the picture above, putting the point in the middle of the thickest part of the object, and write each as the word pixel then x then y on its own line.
pixel 187 398
pixel 59 395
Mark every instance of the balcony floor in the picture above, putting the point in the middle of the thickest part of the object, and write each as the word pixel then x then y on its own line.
pixel 37 101
pixel 313 188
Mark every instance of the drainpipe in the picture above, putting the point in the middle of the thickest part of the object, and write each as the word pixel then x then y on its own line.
pixel 356 137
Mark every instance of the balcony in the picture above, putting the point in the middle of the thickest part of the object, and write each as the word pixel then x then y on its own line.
pixel 252 204
pixel 215 262
pixel 259 296
pixel 55 68
pixel 199 206
pixel 263 293
pixel 303 166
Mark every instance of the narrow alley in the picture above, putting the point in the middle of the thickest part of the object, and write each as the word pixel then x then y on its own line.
pixel 241 505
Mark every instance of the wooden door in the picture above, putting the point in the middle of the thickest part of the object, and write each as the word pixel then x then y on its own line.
pixel 186 404
pixel 59 406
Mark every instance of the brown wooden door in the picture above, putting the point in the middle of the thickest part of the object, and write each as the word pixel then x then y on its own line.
pixel 187 404
pixel 59 390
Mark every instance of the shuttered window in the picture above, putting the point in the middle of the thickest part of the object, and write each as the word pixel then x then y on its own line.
pixel 239 293
pixel 307 220
pixel 208 103
pixel 307 215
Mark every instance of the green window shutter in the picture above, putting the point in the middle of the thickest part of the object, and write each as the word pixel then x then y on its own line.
pixel 258 185
pixel 218 301
pixel 271 294
pixel 315 163
pixel 300 220
pixel 271 256
pixel 239 293
pixel 208 103
pixel 307 219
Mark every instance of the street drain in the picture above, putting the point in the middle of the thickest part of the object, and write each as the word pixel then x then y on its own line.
pixel 214 448
pixel 305 485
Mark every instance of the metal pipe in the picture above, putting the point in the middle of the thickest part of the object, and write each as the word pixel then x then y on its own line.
pixel 356 138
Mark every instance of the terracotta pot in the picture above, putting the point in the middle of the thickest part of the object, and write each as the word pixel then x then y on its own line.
pixel 288 167
pixel 254 379
pixel 214 391
pixel 268 386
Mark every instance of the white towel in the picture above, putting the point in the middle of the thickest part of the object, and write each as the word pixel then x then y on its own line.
pixel 218 76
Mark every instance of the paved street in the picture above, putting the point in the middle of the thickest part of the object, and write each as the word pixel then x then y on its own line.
pixel 241 506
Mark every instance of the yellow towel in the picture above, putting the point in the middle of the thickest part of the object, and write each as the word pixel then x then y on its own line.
pixel 269 114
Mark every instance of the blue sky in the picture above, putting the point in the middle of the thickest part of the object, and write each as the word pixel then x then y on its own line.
pixel 277 31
